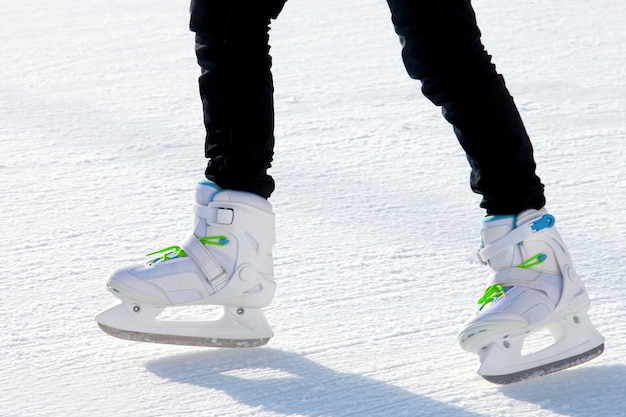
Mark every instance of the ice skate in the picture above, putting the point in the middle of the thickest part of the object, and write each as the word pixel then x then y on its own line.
pixel 533 290
pixel 226 261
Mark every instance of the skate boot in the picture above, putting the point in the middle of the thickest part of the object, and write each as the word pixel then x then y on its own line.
pixel 225 261
pixel 533 290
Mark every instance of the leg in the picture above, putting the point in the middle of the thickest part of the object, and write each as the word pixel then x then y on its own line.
pixel 532 285
pixel 236 89
pixel 227 259
pixel 441 47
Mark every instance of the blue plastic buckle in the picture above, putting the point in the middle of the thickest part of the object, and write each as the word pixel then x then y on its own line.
pixel 546 221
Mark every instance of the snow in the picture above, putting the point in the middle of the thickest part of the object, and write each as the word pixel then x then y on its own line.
pixel 102 143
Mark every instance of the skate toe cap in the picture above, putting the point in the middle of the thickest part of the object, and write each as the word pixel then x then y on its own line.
pixel 126 286
pixel 483 329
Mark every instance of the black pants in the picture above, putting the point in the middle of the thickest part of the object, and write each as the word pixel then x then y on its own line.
pixel 441 47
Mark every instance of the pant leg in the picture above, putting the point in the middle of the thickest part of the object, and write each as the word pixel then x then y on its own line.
pixel 236 89
pixel 441 47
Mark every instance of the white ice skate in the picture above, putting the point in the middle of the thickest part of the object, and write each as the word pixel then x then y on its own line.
pixel 226 261
pixel 533 290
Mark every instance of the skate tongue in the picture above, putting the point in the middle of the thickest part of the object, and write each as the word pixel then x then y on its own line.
pixel 204 193
pixel 205 190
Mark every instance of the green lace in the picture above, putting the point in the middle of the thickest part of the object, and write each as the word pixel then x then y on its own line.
pixel 534 261
pixel 491 294
pixel 173 252
pixel 496 291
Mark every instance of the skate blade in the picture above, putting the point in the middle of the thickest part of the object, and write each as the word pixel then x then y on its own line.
pixel 576 341
pixel 545 369
pixel 236 328
pixel 182 340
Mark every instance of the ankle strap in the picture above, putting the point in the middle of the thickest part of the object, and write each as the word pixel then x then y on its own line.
pixel 515 236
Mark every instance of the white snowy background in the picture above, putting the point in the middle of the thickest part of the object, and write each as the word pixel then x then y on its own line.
pixel 101 145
